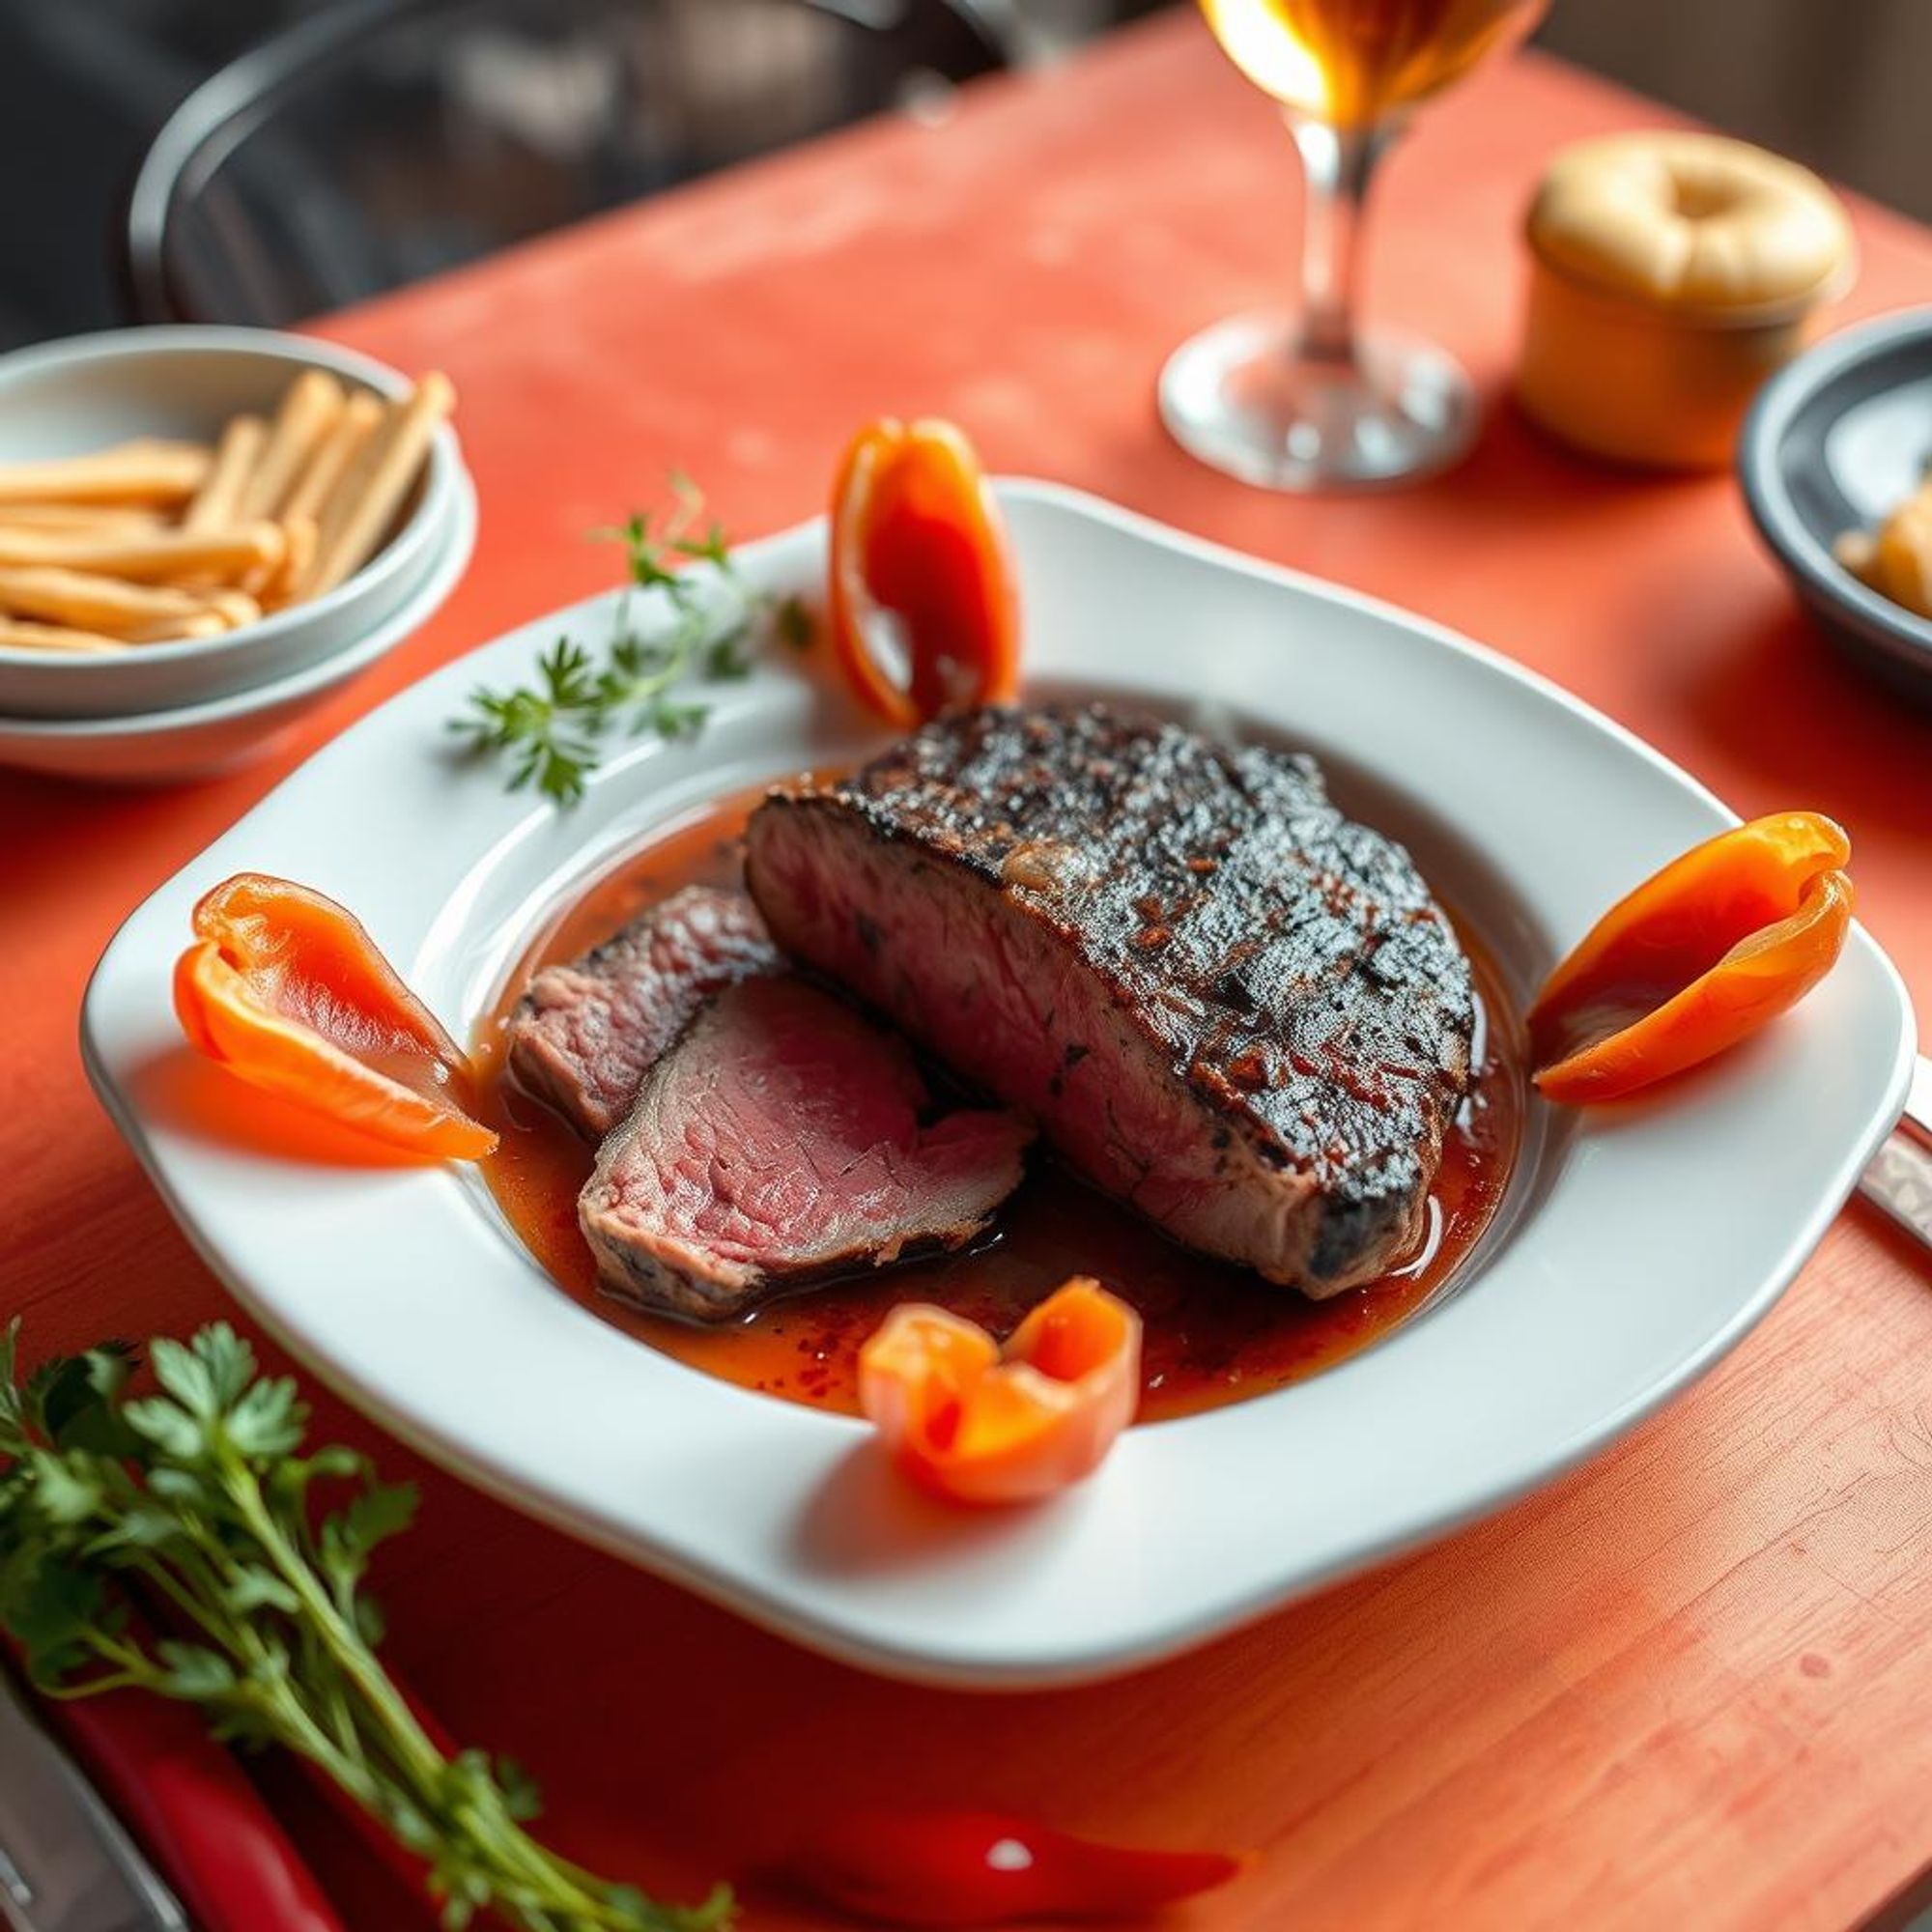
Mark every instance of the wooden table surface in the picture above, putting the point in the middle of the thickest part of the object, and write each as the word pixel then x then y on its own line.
pixel 1689 1684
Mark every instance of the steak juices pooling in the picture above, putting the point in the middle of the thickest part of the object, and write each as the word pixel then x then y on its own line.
pixel 1215 1332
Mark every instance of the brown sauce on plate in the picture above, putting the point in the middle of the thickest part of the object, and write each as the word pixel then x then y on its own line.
pixel 1214 1333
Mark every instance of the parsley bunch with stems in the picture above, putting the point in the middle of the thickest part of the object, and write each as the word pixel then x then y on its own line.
pixel 551 731
pixel 193 1504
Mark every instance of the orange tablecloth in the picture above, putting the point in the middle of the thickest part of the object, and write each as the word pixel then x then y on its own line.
pixel 1688 1685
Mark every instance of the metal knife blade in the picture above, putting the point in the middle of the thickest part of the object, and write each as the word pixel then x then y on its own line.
pixel 66 1864
pixel 1917 1119
pixel 1899 1179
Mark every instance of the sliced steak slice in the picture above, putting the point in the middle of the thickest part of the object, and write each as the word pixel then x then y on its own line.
pixel 585 1033
pixel 1224 1002
pixel 779 1141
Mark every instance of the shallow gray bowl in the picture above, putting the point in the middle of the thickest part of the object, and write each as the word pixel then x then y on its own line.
pixel 1835 443
pixel 65 398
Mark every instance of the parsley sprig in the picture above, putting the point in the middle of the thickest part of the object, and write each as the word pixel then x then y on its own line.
pixel 710 624
pixel 194 1505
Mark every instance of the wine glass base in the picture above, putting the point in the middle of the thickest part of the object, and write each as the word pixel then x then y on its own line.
pixel 1237 397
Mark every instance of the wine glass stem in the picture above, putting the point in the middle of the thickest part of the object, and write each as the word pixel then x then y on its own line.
pixel 1338 163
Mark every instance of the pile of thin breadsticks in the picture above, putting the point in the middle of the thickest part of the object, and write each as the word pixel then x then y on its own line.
pixel 152 540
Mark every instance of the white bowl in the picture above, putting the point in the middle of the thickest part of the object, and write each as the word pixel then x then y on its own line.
pixel 66 398
pixel 197 740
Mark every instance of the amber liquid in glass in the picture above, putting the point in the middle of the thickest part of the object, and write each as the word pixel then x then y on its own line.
pixel 1352 62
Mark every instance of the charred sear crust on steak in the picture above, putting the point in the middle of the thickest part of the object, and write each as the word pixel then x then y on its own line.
pixel 1222 1001
pixel 784 1138
pixel 586 1032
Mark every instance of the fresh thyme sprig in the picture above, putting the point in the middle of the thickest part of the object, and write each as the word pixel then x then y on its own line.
pixel 194 1504
pixel 712 626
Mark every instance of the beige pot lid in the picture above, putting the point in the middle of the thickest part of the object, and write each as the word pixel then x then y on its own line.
pixel 1690 221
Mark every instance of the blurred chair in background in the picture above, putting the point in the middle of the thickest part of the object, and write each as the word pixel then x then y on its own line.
pixel 1837 83
pixel 385 140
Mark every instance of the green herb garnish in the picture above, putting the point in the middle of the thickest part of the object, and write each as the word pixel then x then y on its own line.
pixel 192 1505
pixel 710 626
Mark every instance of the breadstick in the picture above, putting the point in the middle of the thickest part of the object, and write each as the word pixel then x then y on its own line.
pixel 178 630
pixel 236 456
pixel 148 470
pixel 17 636
pixel 235 607
pixel 86 520
pixel 363 502
pixel 1854 550
pixel 351 487
pixel 164 557
pixel 299 534
pixel 333 454
pixel 308 413
pixel 92 603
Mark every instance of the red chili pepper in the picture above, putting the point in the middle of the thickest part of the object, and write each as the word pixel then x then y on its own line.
pixel 982 1868
pixel 217 1844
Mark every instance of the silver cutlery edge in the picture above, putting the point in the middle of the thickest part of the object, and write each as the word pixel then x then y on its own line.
pixel 1899 1178
pixel 67 1864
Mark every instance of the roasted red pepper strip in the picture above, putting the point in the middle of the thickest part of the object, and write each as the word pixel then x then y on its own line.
pixel 285 989
pixel 980 1868
pixel 1699 957
pixel 976 1423
pixel 920 570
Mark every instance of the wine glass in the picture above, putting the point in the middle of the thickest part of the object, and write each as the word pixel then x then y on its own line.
pixel 1314 403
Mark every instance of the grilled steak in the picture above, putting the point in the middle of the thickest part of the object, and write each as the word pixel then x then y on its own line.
pixel 1224 1002
pixel 586 1032
pixel 782 1139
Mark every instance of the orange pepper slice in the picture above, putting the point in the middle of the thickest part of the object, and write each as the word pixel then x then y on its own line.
pixel 924 610
pixel 285 989
pixel 976 1423
pixel 1700 956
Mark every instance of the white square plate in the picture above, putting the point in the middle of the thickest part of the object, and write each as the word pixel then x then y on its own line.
pixel 1635 1247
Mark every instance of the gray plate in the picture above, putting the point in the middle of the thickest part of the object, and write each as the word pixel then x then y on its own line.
pixel 1835 443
